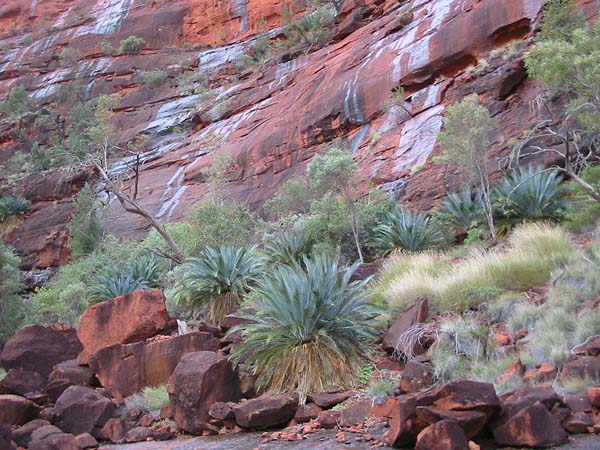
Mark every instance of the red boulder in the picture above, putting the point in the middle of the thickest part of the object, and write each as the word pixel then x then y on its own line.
pixel 265 411
pixel 443 435
pixel 39 348
pixel 130 318
pixel 200 380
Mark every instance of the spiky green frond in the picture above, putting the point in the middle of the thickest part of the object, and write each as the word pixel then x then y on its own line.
pixel 311 328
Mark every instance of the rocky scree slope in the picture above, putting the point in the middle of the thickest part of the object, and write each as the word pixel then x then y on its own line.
pixel 271 120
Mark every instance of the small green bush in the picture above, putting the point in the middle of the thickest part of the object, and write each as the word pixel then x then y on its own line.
pixel 215 224
pixel 287 248
pixel 16 104
pixel 382 388
pixel 131 45
pixel 13 207
pixel 140 273
pixel 461 342
pixel 583 212
pixel 151 78
pixel 13 310
pixel 85 228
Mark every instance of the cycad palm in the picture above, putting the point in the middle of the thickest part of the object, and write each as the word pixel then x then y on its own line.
pixel 464 208
pixel 530 193
pixel 287 248
pixel 219 278
pixel 311 328
pixel 405 230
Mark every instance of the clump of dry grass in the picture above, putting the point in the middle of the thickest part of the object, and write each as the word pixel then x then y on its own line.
pixel 533 252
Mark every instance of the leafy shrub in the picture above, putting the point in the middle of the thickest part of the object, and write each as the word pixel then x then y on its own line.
pixel 314 29
pixel 16 104
pixel 529 193
pixel 13 310
pixel 287 248
pixel 148 399
pixel 256 56
pixel 312 328
pixel 67 295
pixel 405 230
pixel 131 45
pixel 214 224
pixel 13 207
pixel 151 78
pixel 108 287
pixel 583 211
pixel 85 228
pixel 219 279
pixel 464 208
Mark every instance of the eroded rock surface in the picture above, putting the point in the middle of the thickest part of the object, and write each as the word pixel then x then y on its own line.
pixel 273 120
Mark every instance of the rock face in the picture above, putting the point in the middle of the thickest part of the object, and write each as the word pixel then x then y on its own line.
pixel 38 348
pixel 123 320
pixel 126 369
pixel 83 410
pixel 200 380
pixel 272 120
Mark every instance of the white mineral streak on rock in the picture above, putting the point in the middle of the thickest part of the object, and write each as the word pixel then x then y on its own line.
pixel 417 139
pixel 109 15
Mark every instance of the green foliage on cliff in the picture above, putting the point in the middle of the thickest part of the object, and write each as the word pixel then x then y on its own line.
pixel 16 104
pixel 466 141
pixel 13 309
pixel 131 45
pixel 86 232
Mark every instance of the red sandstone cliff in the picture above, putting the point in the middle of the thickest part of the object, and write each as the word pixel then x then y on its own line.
pixel 275 119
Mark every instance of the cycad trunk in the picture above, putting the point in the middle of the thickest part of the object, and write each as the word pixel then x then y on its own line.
pixel 221 306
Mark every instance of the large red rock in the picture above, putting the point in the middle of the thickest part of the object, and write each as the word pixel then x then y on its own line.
pixel 200 380
pixel 404 422
pixel 471 422
pixel 417 313
pixel 16 410
pixel 265 411
pixel 586 367
pixel 416 376
pixel 38 348
pixel 22 382
pixel 355 413
pixel 126 369
pixel 73 372
pixel 22 435
pixel 6 441
pixel 463 395
pixel 130 318
pixel 83 410
pixel 57 441
pixel 533 426
pixel 327 400
pixel 442 435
